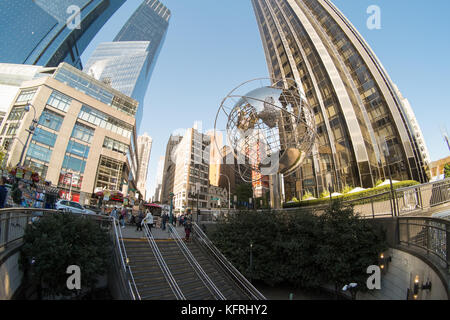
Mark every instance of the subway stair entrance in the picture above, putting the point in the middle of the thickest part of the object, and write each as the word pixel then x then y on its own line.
pixel 165 267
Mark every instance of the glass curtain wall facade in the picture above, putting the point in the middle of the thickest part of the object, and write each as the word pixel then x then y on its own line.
pixel 49 36
pixel 127 63
pixel 355 106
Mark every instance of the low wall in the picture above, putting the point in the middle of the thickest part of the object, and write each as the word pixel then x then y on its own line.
pixel 10 275
pixel 400 276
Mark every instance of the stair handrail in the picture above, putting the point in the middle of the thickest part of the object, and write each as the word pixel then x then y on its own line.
pixel 239 279
pixel 163 265
pixel 124 259
pixel 196 266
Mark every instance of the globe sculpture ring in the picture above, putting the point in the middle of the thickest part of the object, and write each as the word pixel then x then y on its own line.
pixel 270 129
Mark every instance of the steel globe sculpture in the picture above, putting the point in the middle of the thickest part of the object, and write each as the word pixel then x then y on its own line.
pixel 270 129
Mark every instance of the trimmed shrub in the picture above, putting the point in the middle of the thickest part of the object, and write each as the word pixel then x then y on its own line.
pixel 355 196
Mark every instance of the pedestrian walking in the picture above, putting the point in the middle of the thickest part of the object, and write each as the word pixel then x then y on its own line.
pixel 140 217
pixel 187 229
pixel 3 192
pixel 148 220
pixel 164 219
pixel 123 215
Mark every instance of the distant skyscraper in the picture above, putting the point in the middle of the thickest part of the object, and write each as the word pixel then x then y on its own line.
pixel 354 101
pixel 127 63
pixel 159 179
pixel 41 32
pixel 144 147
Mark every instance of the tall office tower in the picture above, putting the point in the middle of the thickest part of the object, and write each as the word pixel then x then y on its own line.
pixel 144 148
pixel 47 32
pixel 354 101
pixel 169 168
pixel 191 178
pixel 215 157
pixel 159 179
pixel 127 63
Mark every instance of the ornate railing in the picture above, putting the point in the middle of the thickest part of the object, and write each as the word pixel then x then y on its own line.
pixel 429 234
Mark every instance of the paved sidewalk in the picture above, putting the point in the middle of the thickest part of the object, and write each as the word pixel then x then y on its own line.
pixel 130 232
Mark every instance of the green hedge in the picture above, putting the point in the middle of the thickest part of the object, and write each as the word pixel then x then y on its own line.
pixel 354 196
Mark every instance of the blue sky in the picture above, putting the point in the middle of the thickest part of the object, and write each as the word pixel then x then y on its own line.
pixel 213 46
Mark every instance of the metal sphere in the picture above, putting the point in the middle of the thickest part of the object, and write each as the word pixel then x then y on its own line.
pixel 270 129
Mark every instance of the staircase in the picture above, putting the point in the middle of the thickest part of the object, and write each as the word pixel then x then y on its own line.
pixel 149 278
pixel 230 291
pixel 152 284
pixel 189 282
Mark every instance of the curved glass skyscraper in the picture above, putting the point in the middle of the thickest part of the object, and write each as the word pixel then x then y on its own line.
pixel 127 63
pixel 358 110
pixel 46 32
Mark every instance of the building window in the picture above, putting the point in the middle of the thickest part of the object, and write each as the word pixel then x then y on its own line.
pixel 38 152
pixel 77 149
pixel 74 164
pixel 37 167
pixel 26 95
pixel 16 113
pixel 115 145
pixel 82 133
pixel 109 173
pixel 104 121
pixel 51 120
pixel 12 129
pixel 44 137
pixel 59 101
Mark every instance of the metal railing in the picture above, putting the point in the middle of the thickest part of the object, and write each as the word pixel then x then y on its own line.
pixel 239 280
pixel 429 234
pixel 196 266
pixel 13 222
pixel 121 259
pixel 399 202
pixel 163 265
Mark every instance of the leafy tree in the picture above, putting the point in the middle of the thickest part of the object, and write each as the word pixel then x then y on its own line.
pixel 348 246
pixel 244 191
pixel 301 248
pixel 447 170
pixel 58 241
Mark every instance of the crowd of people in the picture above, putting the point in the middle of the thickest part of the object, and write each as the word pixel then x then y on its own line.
pixel 146 217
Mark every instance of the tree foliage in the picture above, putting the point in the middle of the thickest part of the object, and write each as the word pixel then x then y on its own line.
pixel 301 248
pixel 243 192
pixel 58 241
pixel 447 170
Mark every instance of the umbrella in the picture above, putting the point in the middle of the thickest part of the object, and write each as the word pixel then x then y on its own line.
pixel 357 189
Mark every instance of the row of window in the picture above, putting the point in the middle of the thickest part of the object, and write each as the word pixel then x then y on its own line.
pixel 102 120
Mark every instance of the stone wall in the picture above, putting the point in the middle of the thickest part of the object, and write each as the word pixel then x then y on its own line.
pixel 400 276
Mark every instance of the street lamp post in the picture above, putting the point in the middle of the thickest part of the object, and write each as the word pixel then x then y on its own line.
pixel 229 190
pixel 30 130
pixel 171 207
pixel 251 260
pixel 386 156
